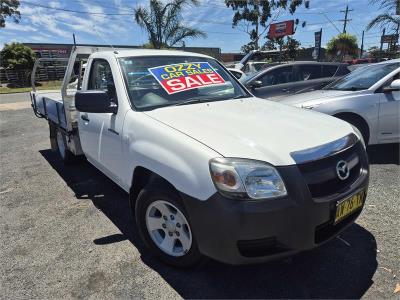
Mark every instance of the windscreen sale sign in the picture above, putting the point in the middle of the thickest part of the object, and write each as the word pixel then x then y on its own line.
pixel 181 77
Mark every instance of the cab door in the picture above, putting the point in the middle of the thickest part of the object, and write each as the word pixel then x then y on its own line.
pixel 88 124
pixel 102 132
pixel 389 115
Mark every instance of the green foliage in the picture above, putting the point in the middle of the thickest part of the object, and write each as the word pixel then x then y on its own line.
pixel 252 16
pixel 342 45
pixel 163 22
pixel 151 46
pixel 248 47
pixel 384 20
pixel 269 45
pixel 290 47
pixel 17 56
pixel 375 52
pixel 389 17
pixel 9 9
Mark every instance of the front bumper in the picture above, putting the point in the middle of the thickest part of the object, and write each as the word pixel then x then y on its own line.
pixel 252 231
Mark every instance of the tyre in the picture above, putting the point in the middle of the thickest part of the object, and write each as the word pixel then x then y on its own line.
pixel 164 226
pixel 66 155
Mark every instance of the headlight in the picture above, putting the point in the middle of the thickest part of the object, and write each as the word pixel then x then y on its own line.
pixel 359 135
pixel 245 178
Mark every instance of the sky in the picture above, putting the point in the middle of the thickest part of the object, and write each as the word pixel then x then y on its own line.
pixel 54 25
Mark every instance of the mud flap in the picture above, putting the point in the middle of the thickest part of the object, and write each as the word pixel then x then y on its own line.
pixel 53 134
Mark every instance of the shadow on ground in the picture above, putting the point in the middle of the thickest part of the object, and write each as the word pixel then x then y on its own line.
pixel 384 154
pixel 339 269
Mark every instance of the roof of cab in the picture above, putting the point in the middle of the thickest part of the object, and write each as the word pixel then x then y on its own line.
pixel 153 52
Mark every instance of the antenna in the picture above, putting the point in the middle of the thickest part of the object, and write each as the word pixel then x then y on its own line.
pixel 104 40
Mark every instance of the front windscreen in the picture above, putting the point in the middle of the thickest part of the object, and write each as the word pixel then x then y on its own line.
pixel 363 78
pixel 157 81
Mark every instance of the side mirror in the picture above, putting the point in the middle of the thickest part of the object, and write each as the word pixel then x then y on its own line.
pixel 393 87
pixel 256 84
pixel 94 101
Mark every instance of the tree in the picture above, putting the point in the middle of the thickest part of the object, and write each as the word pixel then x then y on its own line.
pixel 9 9
pixel 269 45
pixel 390 16
pixel 375 52
pixel 252 15
pixel 290 47
pixel 342 45
pixel 163 22
pixel 248 47
pixel 19 58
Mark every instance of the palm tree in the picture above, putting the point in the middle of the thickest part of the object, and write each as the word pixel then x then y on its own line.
pixel 389 16
pixel 342 45
pixel 163 22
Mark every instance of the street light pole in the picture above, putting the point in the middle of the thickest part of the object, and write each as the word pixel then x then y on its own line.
pixel 362 45
pixel 346 12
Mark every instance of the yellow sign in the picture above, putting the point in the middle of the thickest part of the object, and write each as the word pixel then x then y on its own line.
pixel 348 206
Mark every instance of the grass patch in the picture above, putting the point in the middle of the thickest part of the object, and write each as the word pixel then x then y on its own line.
pixel 47 85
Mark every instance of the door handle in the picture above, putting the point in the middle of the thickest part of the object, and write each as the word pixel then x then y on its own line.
pixel 85 118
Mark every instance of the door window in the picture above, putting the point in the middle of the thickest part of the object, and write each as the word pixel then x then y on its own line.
pixel 363 78
pixel 278 76
pixel 329 70
pixel 388 82
pixel 101 78
pixel 309 72
pixel 343 70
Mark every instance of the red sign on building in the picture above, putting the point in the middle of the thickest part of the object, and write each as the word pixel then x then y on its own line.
pixel 281 29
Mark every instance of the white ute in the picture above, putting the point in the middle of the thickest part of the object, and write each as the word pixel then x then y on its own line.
pixel 210 169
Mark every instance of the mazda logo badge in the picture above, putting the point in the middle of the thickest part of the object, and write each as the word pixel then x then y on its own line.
pixel 342 170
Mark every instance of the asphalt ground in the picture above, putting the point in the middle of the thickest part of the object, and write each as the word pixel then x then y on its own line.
pixel 66 232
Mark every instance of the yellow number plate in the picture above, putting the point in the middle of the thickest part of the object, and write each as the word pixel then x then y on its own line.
pixel 348 206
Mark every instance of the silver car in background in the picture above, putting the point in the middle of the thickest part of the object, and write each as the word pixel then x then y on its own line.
pixel 368 98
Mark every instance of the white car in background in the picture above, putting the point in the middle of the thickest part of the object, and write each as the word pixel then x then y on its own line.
pixel 368 98
pixel 256 66
pixel 236 72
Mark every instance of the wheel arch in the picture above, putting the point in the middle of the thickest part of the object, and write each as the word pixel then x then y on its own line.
pixel 354 116
pixel 141 177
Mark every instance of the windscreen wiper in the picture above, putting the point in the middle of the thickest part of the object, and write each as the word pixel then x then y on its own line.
pixel 354 88
pixel 241 97
pixel 191 101
pixel 201 100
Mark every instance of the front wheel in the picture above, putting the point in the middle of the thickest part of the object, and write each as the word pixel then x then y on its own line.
pixel 164 227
